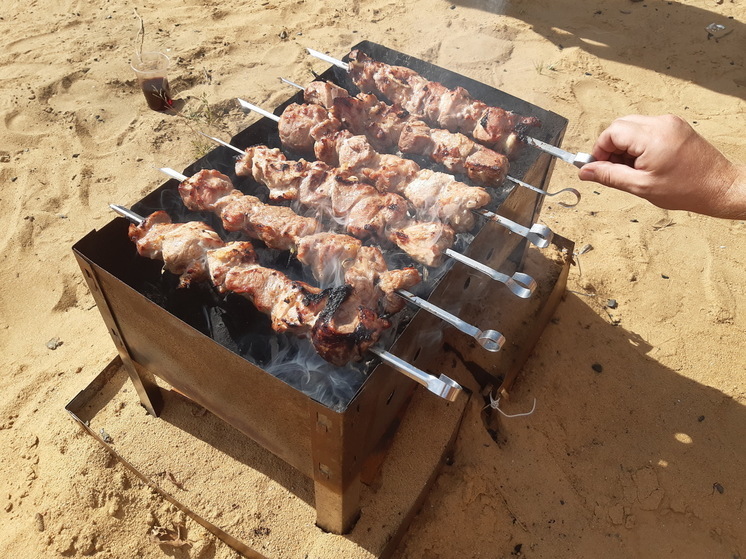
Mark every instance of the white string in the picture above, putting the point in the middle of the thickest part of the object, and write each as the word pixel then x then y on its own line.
pixel 495 405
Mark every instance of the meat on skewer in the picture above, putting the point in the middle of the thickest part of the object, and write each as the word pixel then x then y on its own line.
pixel 365 270
pixel 339 326
pixel 435 196
pixel 537 234
pixel 390 128
pixel 457 152
pixel 365 212
pixel 453 109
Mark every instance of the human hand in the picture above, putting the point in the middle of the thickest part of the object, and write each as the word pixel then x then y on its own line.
pixel 662 159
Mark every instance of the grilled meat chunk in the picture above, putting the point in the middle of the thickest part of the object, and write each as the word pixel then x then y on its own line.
pixel 181 246
pixel 424 242
pixel 453 109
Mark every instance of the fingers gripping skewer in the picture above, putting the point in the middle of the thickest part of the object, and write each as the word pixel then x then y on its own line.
pixel 442 386
pixel 510 178
pixel 520 284
pixel 491 340
pixel 578 159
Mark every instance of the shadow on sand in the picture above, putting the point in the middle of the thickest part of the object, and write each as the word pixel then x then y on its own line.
pixel 619 445
pixel 667 37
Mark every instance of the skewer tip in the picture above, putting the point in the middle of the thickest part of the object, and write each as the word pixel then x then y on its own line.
pixel 128 214
pixel 173 174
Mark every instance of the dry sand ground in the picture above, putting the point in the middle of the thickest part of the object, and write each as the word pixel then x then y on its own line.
pixel 644 459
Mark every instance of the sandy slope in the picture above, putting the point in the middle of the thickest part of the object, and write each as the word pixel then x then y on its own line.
pixel 620 463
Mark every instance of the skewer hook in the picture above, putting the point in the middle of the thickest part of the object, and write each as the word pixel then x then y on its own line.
pixel 491 340
pixel 520 284
pixel 135 218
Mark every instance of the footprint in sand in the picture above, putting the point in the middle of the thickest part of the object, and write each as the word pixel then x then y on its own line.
pixel 22 123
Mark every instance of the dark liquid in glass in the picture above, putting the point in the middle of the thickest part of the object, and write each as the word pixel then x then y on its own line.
pixel 157 93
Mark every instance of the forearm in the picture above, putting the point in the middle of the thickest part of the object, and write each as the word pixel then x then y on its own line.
pixel 733 204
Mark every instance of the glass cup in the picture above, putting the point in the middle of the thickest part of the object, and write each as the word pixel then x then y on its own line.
pixel 151 69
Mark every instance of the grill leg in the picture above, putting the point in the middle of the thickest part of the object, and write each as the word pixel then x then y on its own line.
pixel 336 474
pixel 337 508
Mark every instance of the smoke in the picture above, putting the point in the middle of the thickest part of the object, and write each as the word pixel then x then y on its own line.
pixel 294 361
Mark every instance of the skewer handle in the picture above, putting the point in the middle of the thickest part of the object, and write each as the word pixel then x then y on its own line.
pixel 491 340
pixel 247 105
pixel 520 284
pixel 173 174
pixel 545 193
pixel 222 143
pixel 442 386
pixel 539 235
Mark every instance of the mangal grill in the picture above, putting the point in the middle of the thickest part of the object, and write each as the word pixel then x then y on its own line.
pixel 329 423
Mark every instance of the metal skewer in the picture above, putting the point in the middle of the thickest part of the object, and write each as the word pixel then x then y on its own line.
pixel 538 235
pixel 520 284
pixel 443 386
pixel 578 159
pixel 491 340
pixel 512 179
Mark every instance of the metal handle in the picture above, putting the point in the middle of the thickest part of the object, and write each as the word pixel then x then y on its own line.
pixel 545 193
pixel 520 284
pixel 443 386
pixel 582 159
pixel 491 340
pixel 329 59
pixel 539 235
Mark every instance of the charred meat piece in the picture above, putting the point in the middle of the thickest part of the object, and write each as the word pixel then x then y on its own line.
pixel 278 227
pixel 301 125
pixel 291 305
pixel 270 167
pixel 328 254
pixel 441 196
pixel 338 321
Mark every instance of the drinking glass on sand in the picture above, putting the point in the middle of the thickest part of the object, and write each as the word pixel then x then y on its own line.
pixel 151 70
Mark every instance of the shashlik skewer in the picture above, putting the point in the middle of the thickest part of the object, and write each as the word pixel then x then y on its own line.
pixel 410 137
pixel 453 109
pixel 538 234
pixel 213 191
pixel 390 128
pixel 519 283
pixel 230 266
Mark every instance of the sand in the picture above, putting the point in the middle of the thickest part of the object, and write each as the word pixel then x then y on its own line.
pixel 642 459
